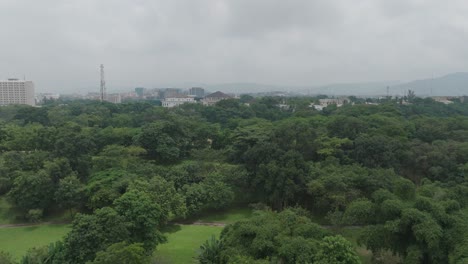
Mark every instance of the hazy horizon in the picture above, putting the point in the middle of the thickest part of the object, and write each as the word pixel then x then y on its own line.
pixel 60 44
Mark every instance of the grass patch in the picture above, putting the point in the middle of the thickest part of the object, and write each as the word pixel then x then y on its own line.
pixel 228 216
pixel 352 234
pixel 183 242
pixel 17 240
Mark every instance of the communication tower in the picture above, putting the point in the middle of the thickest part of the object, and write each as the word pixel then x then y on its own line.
pixel 103 84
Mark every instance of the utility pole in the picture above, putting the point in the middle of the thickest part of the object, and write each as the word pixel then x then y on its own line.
pixel 103 84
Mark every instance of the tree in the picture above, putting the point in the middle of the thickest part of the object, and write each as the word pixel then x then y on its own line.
pixel 93 233
pixel 164 141
pixel 32 191
pixel 359 212
pixel 163 193
pixel 122 253
pixel 336 249
pixel 285 237
pixel 69 193
pixel 144 218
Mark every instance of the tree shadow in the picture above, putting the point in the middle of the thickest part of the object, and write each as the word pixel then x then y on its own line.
pixel 171 228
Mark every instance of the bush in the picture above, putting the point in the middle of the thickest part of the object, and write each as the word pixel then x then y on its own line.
pixel 35 215
pixel 6 258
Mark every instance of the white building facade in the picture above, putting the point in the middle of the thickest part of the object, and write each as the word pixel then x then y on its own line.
pixel 176 101
pixel 14 91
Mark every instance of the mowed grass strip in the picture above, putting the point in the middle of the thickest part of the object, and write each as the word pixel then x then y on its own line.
pixel 17 240
pixel 183 243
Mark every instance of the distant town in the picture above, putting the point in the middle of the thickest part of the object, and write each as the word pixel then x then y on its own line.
pixel 15 91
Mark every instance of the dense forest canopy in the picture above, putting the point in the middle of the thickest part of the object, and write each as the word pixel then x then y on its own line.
pixel 401 170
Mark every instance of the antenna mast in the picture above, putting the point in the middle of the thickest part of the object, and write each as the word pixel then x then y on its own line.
pixel 103 84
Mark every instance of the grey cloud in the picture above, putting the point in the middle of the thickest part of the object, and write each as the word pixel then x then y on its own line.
pixel 60 43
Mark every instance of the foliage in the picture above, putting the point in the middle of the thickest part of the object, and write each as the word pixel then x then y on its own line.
pixel 285 236
pixel 336 249
pixel 400 167
pixel 93 233
pixel 143 218
pixel 35 215
pixel 122 253
pixel 210 252
pixel 6 258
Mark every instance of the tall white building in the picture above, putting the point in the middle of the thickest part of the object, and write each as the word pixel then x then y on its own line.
pixel 15 91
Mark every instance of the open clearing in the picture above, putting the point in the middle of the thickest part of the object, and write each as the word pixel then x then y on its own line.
pixel 17 240
pixel 183 242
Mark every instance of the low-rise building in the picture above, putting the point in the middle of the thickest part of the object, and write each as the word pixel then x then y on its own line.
pixel 114 98
pixel 443 99
pixel 215 97
pixel 326 102
pixel 177 100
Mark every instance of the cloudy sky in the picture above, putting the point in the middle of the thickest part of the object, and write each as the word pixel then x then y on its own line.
pixel 60 43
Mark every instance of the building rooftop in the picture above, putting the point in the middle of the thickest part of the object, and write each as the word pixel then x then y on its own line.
pixel 218 94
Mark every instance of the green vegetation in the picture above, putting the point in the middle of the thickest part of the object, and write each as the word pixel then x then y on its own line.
pixel 353 234
pixel 7 213
pixel 17 240
pixel 397 170
pixel 228 216
pixel 183 243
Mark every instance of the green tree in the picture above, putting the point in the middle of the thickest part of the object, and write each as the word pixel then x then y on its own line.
pixel 122 253
pixel 32 191
pixel 164 141
pixel 93 233
pixel 69 193
pixel 144 218
pixel 336 249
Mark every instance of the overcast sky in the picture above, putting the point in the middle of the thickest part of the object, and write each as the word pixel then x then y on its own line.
pixel 60 43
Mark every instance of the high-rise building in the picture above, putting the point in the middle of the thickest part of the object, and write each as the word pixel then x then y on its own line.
pixel 15 91
pixel 197 92
pixel 139 91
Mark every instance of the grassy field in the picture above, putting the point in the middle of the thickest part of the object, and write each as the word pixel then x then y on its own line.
pixel 18 240
pixel 183 242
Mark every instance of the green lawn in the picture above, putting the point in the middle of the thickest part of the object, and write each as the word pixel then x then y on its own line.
pixel 183 242
pixel 18 240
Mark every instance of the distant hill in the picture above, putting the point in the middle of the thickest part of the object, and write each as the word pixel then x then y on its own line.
pixel 240 88
pixel 454 84
pixel 358 89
